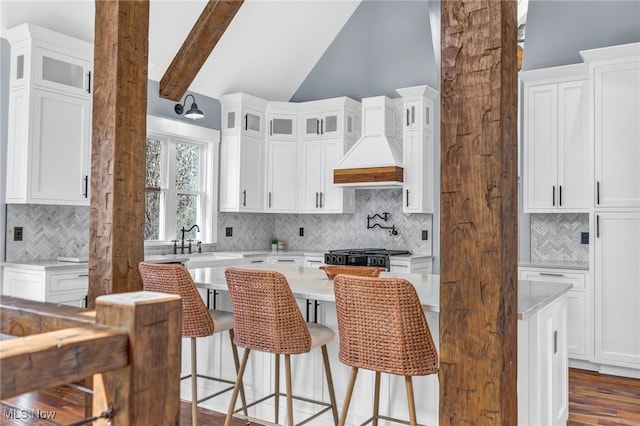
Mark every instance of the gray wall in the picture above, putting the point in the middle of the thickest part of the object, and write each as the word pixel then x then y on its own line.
pixel 558 30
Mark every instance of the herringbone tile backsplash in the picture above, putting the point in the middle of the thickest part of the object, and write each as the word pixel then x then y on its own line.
pixel 556 236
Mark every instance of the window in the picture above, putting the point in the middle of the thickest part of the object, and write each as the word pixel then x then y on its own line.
pixel 180 181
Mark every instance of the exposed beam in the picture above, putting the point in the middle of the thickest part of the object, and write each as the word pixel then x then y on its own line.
pixel 213 21
pixel 478 290
pixel 116 237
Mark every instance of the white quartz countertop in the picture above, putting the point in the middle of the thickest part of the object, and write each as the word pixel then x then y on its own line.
pixel 312 283
pixel 554 264
pixel 46 265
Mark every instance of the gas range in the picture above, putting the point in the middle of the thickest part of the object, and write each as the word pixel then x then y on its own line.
pixel 362 257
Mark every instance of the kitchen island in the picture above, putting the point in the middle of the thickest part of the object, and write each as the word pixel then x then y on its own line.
pixel 542 355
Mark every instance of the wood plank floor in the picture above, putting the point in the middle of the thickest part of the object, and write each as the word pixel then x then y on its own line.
pixel 594 399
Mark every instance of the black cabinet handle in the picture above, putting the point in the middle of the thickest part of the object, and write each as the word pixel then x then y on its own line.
pixel 553 196
pixel 322 126
pixel 560 195
pixel 598 192
pixel 244 198
pixel 407 117
pixel 317 127
pixel 269 199
pixel 548 274
pixel 246 122
pixel 555 341
pixel 320 199
pixel 597 226
pixel 316 200
pixel 86 301
pixel 270 127
pixel 407 198
pixel 86 186
pixel 89 82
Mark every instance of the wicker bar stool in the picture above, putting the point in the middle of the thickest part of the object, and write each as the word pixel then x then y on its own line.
pixel 382 328
pixel 268 319
pixel 197 321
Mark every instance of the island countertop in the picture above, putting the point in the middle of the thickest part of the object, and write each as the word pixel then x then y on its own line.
pixel 312 283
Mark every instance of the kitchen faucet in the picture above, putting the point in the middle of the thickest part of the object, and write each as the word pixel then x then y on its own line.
pixel 183 231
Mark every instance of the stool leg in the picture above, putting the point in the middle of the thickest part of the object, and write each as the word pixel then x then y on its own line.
pixel 376 399
pixel 236 388
pixel 412 407
pixel 194 384
pixel 347 397
pixel 287 366
pixel 236 362
pixel 277 388
pixel 332 394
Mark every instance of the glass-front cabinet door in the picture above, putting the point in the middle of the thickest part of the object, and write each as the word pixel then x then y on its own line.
pixel 322 125
pixel 282 126
pixel 252 122
pixel 62 72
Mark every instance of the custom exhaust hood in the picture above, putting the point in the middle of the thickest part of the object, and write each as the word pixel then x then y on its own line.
pixel 375 160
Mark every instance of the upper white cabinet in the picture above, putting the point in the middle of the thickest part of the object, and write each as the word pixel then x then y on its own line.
pixel 616 92
pixel 558 162
pixel 282 175
pixel 418 148
pixel 49 118
pixel 242 153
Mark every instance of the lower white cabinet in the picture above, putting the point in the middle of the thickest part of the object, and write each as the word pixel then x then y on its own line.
pixel 412 265
pixel 579 317
pixel 285 260
pixel 543 371
pixel 617 289
pixel 68 287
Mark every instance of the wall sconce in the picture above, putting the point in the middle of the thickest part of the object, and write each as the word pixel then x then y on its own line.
pixel 193 113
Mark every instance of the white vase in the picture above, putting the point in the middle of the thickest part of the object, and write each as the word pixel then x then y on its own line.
pixel 274 247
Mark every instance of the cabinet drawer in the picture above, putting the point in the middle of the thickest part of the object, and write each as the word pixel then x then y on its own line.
pixel 578 280
pixel 73 281
pixel 70 298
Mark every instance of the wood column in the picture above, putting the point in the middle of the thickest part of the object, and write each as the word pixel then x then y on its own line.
pixel 118 147
pixel 479 211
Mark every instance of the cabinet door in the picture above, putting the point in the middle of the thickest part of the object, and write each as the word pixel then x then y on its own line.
pixel 61 144
pixel 574 159
pixel 541 123
pixel 62 72
pixel 19 67
pixel 24 284
pixel 311 178
pixel 560 366
pixel 418 171
pixel 617 132
pixel 252 123
pixel 282 172
pixel 231 120
pixel 411 116
pixel 311 126
pixel 617 288
pixel 282 126
pixel 331 195
pixel 251 174
pixel 577 324
pixel 331 124
pixel 230 172
pixel 70 298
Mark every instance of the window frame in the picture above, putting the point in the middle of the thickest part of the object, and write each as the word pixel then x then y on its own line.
pixel 170 133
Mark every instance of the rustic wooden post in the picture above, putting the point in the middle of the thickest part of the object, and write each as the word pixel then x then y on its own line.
pixel 478 292
pixel 116 241
pixel 147 391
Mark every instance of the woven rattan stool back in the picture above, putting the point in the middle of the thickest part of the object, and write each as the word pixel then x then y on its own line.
pixel 382 326
pixel 175 279
pixel 267 317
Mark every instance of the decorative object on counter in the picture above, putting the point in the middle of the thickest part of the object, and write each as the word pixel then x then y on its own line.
pixel 194 112
pixel 385 217
pixel 197 321
pixel 363 271
pixel 280 245
pixel 403 347
pixel 274 244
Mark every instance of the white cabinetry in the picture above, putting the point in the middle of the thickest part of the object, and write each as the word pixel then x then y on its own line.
pixel 543 373
pixel 286 260
pixel 556 140
pixel 617 132
pixel 282 161
pixel 242 154
pixel 418 148
pixel 617 288
pixel 579 313
pixel 68 287
pixel 49 118
pixel 414 265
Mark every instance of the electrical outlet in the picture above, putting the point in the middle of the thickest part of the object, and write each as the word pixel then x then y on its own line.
pixel 302 232
pixel 584 238
pixel 228 232
pixel 425 234
pixel 17 233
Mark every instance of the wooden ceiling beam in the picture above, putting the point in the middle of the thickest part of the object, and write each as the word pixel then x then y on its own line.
pixel 212 23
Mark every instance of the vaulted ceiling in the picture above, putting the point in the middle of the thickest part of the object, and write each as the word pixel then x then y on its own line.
pixel 249 57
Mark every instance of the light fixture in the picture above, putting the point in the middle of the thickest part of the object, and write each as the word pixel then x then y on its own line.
pixel 193 113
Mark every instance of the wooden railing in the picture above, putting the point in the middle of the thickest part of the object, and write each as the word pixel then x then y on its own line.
pixel 130 345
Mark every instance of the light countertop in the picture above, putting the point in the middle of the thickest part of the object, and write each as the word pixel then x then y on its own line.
pixel 555 264
pixel 311 283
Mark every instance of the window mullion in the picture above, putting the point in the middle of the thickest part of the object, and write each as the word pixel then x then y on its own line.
pixel 170 194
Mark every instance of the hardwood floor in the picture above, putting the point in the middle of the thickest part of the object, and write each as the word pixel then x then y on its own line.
pixel 594 399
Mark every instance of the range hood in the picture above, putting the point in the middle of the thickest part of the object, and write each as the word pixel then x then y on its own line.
pixel 375 160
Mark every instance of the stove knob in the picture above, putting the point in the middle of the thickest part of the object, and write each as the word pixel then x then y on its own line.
pixel 352 260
